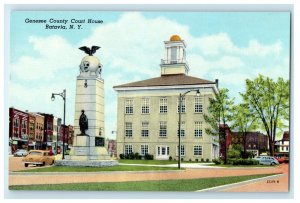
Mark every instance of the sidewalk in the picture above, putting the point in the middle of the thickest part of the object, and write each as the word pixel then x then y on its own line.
pixel 192 165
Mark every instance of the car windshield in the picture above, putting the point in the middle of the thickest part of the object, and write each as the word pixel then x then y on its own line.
pixel 35 153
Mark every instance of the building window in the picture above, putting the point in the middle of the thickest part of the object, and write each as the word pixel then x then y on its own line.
pixel 128 106
pixel 163 150
pixel 163 129
pixel 173 54
pixel 287 148
pixel 128 149
pixel 182 105
pixel 24 126
pixel 198 129
pixel 16 122
pixel 163 105
pixel 145 129
pixel 31 126
pixel 197 150
pixel 182 129
pixel 128 129
pixel 144 150
pixel 145 105
pixel 198 104
pixel 49 125
pixel 182 150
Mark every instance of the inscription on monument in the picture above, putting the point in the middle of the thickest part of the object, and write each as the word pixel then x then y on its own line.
pixel 99 141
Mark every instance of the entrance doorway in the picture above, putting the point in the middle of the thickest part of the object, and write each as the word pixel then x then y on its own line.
pixel 162 152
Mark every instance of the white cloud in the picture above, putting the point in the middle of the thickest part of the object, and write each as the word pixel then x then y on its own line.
pixel 53 54
pixel 221 43
pixel 256 49
pixel 201 66
pixel 131 44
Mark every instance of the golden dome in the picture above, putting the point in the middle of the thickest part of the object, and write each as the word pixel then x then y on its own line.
pixel 175 38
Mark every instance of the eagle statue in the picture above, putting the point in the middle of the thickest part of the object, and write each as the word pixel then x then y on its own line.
pixel 89 51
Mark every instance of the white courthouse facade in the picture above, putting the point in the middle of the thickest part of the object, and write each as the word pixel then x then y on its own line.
pixel 148 111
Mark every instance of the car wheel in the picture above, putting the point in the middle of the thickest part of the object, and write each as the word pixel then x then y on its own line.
pixel 52 163
pixel 26 165
pixel 43 164
pixel 272 164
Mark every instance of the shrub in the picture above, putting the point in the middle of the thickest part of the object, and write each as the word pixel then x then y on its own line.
pixel 181 159
pixel 137 156
pixel 216 161
pixel 190 160
pixel 131 156
pixel 148 157
pixel 247 155
pixel 202 160
pixel 234 153
pixel 196 160
pixel 207 160
pixel 122 156
pixel 245 162
pixel 170 158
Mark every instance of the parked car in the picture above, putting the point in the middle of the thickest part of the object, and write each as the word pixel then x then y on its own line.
pixel 38 158
pixel 267 160
pixel 20 152
pixel 282 159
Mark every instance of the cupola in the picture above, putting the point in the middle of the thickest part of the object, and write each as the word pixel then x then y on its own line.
pixel 174 61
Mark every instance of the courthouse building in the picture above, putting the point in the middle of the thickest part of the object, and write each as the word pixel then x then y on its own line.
pixel 148 111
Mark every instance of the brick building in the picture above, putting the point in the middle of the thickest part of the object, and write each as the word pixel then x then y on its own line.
pixel 254 142
pixel 18 129
pixel 225 137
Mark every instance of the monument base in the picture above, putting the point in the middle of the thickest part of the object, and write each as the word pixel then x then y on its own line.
pixel 86 153
pixel 88 163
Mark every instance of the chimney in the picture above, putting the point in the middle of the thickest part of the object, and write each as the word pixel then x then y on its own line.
pixel 217 82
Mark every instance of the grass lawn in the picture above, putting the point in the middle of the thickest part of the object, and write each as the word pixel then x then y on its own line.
pixel 163 185
pixel 99 169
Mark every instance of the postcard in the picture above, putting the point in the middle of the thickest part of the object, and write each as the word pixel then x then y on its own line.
pixel 159 101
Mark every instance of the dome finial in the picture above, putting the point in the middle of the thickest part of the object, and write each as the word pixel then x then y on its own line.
pixel 175 38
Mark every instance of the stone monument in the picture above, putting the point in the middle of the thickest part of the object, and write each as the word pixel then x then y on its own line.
pixel 89 147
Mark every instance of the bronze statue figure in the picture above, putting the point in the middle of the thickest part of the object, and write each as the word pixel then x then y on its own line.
pixel 83 122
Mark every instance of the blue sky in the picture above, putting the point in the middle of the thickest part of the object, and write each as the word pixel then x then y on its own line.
pixel 230 46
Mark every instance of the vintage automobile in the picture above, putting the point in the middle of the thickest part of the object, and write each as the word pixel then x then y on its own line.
pixel 20 152
pixel 267 160
pixel 38 158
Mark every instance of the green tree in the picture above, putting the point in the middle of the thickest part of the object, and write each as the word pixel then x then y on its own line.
pixel 269 101
pixel 234 151
pixel 243 121
pixel 219 112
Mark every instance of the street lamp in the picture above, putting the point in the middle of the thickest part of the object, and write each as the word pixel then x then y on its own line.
pixel 181 96
pixel 63 95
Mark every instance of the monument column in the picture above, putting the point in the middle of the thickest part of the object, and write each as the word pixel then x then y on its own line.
pixel 89 133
